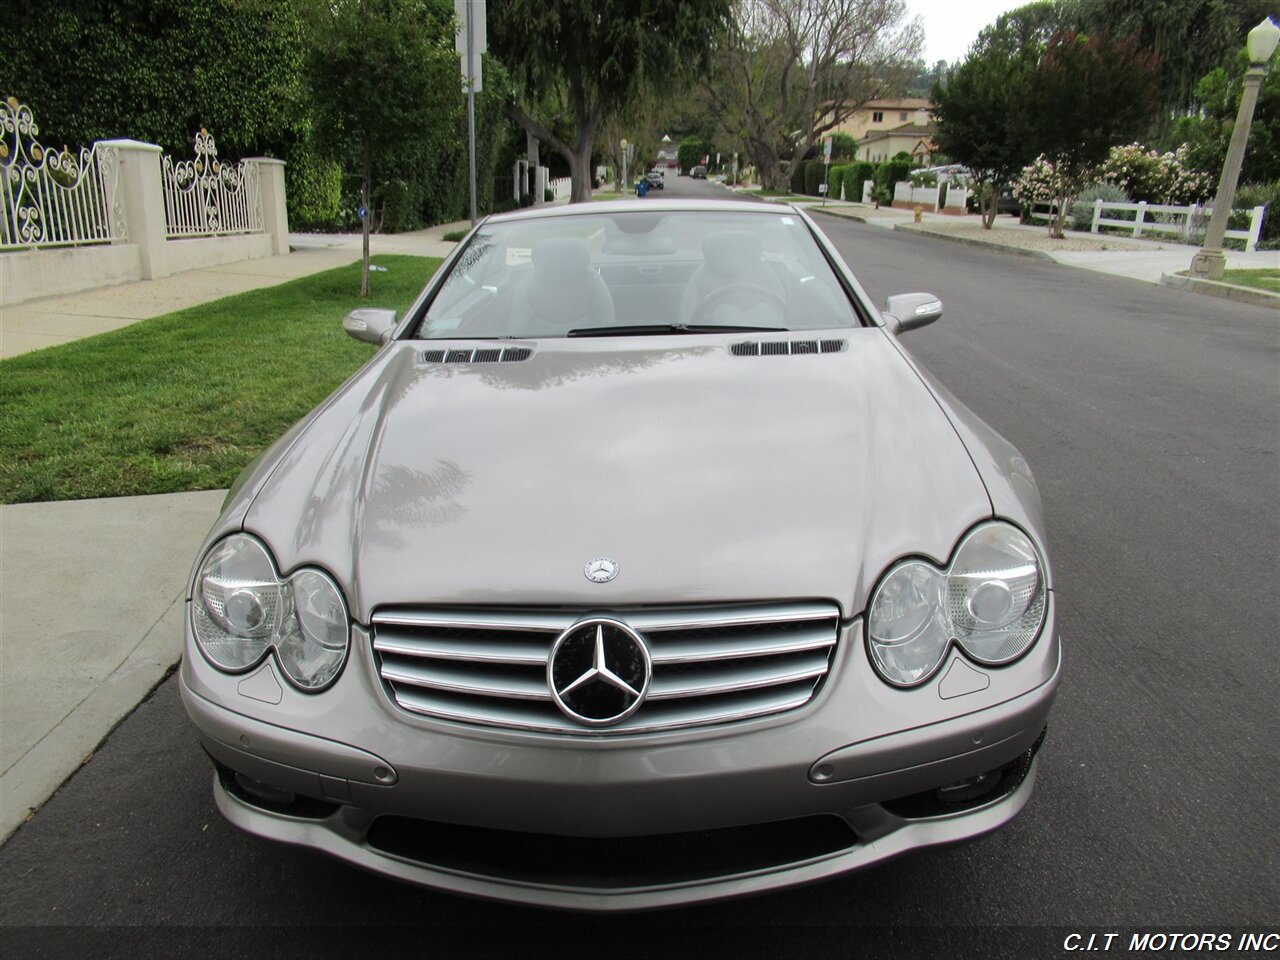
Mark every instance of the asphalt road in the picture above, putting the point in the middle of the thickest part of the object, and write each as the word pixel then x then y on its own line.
pixel 1151 419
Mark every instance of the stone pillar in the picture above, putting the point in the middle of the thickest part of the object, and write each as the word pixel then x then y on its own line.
pixel 275 218
pixel 142 198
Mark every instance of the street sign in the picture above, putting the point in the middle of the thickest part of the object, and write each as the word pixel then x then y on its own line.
pixel 361 213
pixel 822 188
pixel 826 150
pixel 470 42
pixel 472 69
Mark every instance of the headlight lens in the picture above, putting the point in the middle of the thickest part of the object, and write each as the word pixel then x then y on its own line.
pixel 990 600
pixel 243 609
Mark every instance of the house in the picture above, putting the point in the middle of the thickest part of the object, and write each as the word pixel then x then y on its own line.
pixel 668 150
pixel 915 140
pixel 888 126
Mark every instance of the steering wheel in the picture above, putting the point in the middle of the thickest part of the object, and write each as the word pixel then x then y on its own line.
pixel 730 289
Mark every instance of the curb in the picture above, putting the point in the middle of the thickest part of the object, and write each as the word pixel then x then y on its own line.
pixel 970 242
pixel 839 212
pixel 1226 291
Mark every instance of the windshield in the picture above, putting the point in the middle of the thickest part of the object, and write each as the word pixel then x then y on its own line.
pixel 629 273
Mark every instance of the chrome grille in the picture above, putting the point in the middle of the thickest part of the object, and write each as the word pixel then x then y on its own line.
pixel 710 664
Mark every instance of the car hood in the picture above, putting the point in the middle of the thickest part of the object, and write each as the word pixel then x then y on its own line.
pixel 707 476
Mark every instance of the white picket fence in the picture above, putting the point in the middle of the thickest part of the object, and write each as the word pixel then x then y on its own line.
pixel 561 187
pixel 1183 222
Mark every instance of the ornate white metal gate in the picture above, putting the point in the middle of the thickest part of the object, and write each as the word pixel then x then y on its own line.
pixel 205 197
pixel 54 198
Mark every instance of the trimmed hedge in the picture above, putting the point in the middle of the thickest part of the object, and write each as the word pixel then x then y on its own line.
pixel 813 174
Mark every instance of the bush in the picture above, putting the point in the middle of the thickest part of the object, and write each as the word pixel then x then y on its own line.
pixel 836 181
pixel 843 147
pixel 1155 177
pixel 1268 195
pixel 813 174
pixel 313 189
pixel 857 174
pixel 889 173
pixel 1081 212
pixel 691 151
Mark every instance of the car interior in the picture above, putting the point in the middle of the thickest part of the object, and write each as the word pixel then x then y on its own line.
pixel 559 276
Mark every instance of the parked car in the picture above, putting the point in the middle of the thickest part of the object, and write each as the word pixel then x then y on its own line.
pixel 699 172
pixel 657 179
pixel 640 565
pixel 1005 203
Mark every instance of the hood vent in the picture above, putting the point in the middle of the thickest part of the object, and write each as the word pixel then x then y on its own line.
pixel 481 355
pixel 783 348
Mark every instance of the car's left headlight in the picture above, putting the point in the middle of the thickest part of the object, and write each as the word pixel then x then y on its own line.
pixel 989 600
pixel 242 609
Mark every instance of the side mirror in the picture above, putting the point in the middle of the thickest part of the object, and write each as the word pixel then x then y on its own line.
pixel 906 311
pixel 370 324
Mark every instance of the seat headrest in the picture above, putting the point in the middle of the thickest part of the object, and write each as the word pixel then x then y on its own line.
pixel 561 259
pixel 732 251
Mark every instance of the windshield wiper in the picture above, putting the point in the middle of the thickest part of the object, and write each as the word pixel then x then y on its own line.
pixel 648 329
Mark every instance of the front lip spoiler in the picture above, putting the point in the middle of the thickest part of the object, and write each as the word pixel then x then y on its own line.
pixel 894 837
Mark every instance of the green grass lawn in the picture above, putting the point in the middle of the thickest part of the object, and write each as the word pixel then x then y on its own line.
pixel 183 401
pixel 453 236
pixel 609 195
pixel 1268 280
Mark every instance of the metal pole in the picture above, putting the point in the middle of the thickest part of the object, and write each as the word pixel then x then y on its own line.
pixel 1209 261
pixel 471 111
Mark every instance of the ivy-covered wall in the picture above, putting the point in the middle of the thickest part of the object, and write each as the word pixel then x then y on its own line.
pixel 160 70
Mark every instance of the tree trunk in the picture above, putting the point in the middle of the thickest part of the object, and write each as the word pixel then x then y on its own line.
pixel 1057 221
pixel 364 223
pixel 580 173
pixel 988 205
pixel 580 160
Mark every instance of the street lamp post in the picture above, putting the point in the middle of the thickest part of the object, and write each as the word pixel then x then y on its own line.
pixel 1209 262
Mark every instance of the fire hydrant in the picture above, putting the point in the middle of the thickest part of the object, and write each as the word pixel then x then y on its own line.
pixel 919 213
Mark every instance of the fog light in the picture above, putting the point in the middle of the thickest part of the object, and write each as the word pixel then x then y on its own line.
pixel 265 791
pixel 969 789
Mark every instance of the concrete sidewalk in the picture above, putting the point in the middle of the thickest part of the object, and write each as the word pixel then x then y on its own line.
pixel 46 323
pixel 1138 259
pixel 91 620
pixel 91 591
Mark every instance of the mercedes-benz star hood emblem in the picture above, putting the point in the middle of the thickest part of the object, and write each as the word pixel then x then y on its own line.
pixel 601 569
pixel 599 672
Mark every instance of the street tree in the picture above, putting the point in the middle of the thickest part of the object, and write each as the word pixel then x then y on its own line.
pixel 979 108
pixel 377 67
pixel 1085 96
pixel 1029 27
pixel 640 123
pixel 1190 37
pixel 577 62
pixel 1208 131
pixel 791 70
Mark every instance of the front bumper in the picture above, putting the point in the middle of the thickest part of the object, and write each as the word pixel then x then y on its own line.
pixel 848 755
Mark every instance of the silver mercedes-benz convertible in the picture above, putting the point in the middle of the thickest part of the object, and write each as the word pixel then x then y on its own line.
pixel 640 565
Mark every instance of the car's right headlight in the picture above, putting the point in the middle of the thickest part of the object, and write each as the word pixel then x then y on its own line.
pixel 990 600
pixel 242 609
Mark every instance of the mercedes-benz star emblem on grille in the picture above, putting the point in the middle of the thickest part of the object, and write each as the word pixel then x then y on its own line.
pixel 599 672
pixel 601 570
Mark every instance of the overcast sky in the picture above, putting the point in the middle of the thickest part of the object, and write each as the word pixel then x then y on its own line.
pixel 950 26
